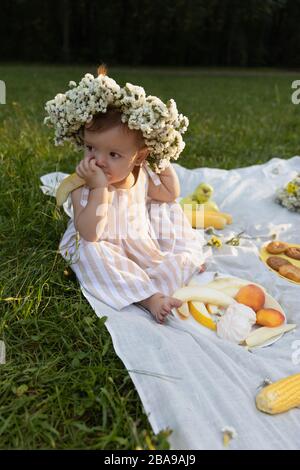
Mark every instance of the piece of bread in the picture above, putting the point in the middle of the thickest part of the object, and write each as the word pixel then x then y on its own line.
pixel 292 252
pixel 277 247
pixel 275 262
pixel 290 271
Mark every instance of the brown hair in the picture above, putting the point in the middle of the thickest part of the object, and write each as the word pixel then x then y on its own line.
pixel 112 118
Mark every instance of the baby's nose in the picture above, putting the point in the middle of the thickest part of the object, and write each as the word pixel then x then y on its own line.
pixel 101 165
pixel 100 162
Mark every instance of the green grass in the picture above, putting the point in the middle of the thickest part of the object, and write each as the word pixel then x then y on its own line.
pixel 63 385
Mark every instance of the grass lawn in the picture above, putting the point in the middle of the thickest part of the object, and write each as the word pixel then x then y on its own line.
pixel 63 385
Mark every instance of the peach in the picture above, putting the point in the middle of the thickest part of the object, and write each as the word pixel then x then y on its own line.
pixel 269 317
pixel 252 296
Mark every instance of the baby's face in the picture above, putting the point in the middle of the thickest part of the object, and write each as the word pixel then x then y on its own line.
pixel 114 150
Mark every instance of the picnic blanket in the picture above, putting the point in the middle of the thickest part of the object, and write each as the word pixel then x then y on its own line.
pixel 197 384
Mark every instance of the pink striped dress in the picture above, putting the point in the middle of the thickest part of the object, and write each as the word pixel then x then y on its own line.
pixel 147 247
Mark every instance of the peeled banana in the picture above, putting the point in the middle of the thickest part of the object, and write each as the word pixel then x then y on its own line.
pixel 261 335
pixel 203 294
pixel 67 185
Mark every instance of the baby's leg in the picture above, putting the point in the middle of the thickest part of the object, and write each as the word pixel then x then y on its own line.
pixel 106 272
pixel 160 305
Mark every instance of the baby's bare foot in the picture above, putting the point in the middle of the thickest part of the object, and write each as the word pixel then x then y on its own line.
pixel 160 305
pixel 202 268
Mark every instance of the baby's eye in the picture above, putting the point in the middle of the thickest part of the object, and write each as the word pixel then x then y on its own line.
pixel 88 147
pixel 116 155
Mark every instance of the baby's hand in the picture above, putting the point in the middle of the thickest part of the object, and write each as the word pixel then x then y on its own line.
pixel 91 173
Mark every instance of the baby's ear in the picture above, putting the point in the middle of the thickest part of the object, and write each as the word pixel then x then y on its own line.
pixel 143 153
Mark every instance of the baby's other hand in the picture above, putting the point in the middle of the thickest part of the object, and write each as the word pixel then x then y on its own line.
pixel 93 175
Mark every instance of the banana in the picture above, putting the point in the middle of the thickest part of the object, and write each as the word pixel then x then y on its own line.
pixel 203 219
pixel 201 315
pixel 67 185
pixel 184 310
pixel 225 215
pixel 261 335
pixel 203 294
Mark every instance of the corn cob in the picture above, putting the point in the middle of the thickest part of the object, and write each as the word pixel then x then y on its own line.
pixel 280 396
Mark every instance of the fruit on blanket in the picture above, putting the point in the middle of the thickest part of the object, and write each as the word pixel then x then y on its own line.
pixel 67 185
pixel 263 334
pixel 198 202
pixel 269 317
pixel 203 192
pixel 252 296
pixel 203 294
pixel 214 219
pixel 202 219
pixel 201 315
pixel 226 215
pixel 280 396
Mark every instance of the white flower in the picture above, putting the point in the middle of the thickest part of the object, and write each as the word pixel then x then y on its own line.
pixel 290 200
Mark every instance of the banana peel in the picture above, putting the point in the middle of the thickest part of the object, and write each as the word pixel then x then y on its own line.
pixel 68 184
pixel 201 315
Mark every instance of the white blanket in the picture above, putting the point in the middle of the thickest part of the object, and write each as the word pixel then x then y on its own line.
pixel 197 384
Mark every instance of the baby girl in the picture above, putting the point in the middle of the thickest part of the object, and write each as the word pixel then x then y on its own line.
pixel 116 267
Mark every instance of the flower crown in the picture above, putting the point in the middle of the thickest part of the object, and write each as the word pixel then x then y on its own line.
pixel 160 123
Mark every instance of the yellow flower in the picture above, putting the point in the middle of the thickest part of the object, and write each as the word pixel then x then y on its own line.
pixel 291 188
pixel 215 241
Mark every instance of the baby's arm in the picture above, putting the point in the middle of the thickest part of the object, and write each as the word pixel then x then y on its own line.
pixel 89 221
pixel 169 189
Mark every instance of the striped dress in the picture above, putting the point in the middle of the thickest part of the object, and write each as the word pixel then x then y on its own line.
pixel 147 247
